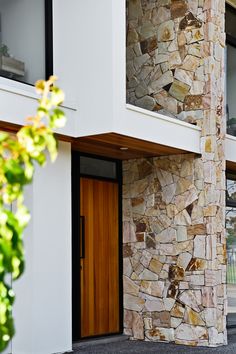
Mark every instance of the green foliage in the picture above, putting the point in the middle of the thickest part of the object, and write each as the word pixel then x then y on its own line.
pixel 18 155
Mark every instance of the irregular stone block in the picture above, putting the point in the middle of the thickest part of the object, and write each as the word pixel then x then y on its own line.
pixel 128 232
pixel 140 61
pixel 166 236
pixel 161 319
pixel 137 326
pixel 160 14
pixel 164 80
pixel 193 102
pixel 210 315
pixel 135 11
pixel 191 333
pixel 132 37
pixel 148 275
pixel 166 32
pixel 160 334
pixel 184 259
pixel 197 264
pixel 150 241
pixel 188 297
pixel 130 287
pixel 198 229
pixel 196 280
pixel 147 30
pixel 193 318
pixel 189 21
pixel 148 45
pixel 191 63
pixel 127 267
pixel 178 8
pixel 146 102
pixel 199 247
pixel 209 296
pixel 154 305
pixel 178 311
pixel 168 303
pixel 176 273
pixel 179 90
pixel 175 322
pixel 141 90
pixel 154 288
pixel 147 323
pixel 138 205
pixel 127 251
pixel 173 290
pixel 155 266
pixel 133 303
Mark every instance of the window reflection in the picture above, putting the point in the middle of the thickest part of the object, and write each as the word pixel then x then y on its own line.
pixel 22 40
pixel 231 247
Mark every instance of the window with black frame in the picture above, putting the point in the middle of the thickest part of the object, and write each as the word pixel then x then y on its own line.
pixel 25 37
pixel 231 246
pixel 230 28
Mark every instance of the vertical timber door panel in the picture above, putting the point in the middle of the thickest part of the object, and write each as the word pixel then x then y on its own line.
pixel 100 265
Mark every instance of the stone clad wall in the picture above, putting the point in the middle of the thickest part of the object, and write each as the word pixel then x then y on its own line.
pixel 169 54
pixel 174 263
pixel 174 207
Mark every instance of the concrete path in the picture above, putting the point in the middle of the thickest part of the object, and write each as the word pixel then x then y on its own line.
pixel 139 347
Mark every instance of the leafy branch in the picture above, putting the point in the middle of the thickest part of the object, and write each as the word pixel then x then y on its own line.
pixel 18 155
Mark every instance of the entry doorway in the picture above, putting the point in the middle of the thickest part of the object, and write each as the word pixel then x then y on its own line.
pixel 96 241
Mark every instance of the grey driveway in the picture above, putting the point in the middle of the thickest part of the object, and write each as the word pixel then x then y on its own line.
pixel 127 347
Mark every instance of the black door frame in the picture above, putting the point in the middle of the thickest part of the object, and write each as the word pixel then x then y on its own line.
pixel 76 297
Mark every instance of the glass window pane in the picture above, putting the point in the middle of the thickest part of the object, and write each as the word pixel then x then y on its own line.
pixel 97 167
pixel 231 85
pixel 22 40
pixel 230 15
pixel 231 188
pixel 231 264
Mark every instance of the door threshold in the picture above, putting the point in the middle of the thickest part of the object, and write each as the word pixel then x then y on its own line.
pixel 100 340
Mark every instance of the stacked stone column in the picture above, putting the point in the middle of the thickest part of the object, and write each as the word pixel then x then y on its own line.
pixel 174 207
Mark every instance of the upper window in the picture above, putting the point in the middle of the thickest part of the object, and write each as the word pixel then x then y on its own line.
pixel 24 34
pixel 231 69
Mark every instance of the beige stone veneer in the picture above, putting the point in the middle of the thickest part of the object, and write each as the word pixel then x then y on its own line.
pixel 174 207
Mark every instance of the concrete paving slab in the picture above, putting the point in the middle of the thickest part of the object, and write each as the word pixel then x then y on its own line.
pixel 141 347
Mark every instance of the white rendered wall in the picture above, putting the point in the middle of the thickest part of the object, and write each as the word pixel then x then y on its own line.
pixel 42 310
pixel 83 60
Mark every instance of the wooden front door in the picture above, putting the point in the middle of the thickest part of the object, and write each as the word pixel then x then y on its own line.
pixel 99 262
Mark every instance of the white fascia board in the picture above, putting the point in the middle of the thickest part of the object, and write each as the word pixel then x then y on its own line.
pixel 18 102
pixel 157 128
pixel 230 148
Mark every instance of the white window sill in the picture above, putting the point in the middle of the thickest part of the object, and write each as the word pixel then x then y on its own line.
pixel 162 117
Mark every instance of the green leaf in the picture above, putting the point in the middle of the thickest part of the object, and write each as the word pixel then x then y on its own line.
pixel 57 119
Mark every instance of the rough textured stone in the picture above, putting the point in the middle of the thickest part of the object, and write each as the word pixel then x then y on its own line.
pixel 134 303
pixel 179 90
pixel 137 326
pixel 160 334
pixel 166 31
pixel 146 102
pixel 178 8
pixel 152 288
pixel 188 297
pixel 148 45
pixel 177 259
pixel 184 259
pixel 130 287
pixel 193 318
